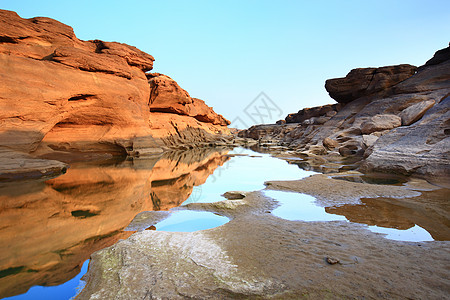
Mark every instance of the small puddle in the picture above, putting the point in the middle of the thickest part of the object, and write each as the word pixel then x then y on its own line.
pixel 188 221
pixel 301 207
pixel 245 171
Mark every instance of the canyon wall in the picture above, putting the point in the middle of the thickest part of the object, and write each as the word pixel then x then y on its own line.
pixel 67 99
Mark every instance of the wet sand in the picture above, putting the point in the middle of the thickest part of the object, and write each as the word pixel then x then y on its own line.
pixel 260 256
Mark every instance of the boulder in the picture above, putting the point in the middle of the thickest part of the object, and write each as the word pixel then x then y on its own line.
pixel 369 140
pixel 415 112
pixel 380 123
pixel 367 81
pixel 421 148
pixel 330 144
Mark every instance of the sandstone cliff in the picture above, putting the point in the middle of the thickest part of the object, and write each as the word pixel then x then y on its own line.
pixel 68 99
pixel 391 119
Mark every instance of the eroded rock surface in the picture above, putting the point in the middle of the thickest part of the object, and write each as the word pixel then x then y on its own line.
pixel 167 96
pixel 390 119
pixel 64 98
pixel 367 81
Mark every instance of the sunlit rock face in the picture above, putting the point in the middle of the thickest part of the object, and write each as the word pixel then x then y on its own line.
pixel 62 96
pixel 49 228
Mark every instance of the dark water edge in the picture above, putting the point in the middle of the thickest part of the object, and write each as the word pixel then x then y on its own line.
pixel 51 227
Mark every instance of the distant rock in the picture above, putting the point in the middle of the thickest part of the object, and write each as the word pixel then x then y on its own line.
pixel 440 56
pixel 367 81
pixel 389 119
pixel 313 112
pixel 167 96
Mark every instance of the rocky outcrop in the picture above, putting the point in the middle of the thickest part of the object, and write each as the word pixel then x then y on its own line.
pixel 396 121
pixel 62 96
pixel 421 148
pixel 167 96
pixel 367 81
pixel 314 115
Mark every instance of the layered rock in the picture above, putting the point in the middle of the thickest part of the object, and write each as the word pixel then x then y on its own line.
pixel 62 96
pixel 391 120
pixel 367 81
pixel 314 115
pixel 167 96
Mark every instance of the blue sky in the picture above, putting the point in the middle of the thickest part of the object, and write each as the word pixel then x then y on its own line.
pixel 227 52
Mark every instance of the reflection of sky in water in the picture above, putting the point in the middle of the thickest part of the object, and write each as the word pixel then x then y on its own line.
pixel 188 220
pixel 414 234
pixel 296 206
pixel 301 207
pixel 245 173
pixel 67 290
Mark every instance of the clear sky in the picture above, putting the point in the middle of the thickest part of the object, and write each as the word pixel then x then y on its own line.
pixel 228 52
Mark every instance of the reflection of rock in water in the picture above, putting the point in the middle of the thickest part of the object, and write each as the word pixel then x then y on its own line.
pixel 428 211
pixel 48 229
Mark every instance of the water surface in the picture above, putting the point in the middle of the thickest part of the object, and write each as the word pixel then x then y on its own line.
pixel 49 228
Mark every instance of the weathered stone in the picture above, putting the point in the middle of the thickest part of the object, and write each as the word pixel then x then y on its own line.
pixel 369 140
pixel 308 113
pixel 440 56
pixel 381 122
pixel 167 96
pixel 415 112
pixel 234 195
pixel 330 144
pixel 317 150
pixel 16 165
pixel 86 97
pixel 421 148
pixel 367 81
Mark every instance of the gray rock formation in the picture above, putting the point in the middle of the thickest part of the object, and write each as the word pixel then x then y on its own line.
pixel 391 119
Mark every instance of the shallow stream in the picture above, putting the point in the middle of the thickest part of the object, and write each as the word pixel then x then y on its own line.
pixel 49 228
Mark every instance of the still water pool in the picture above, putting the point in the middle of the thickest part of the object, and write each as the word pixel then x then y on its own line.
pixel 49 228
